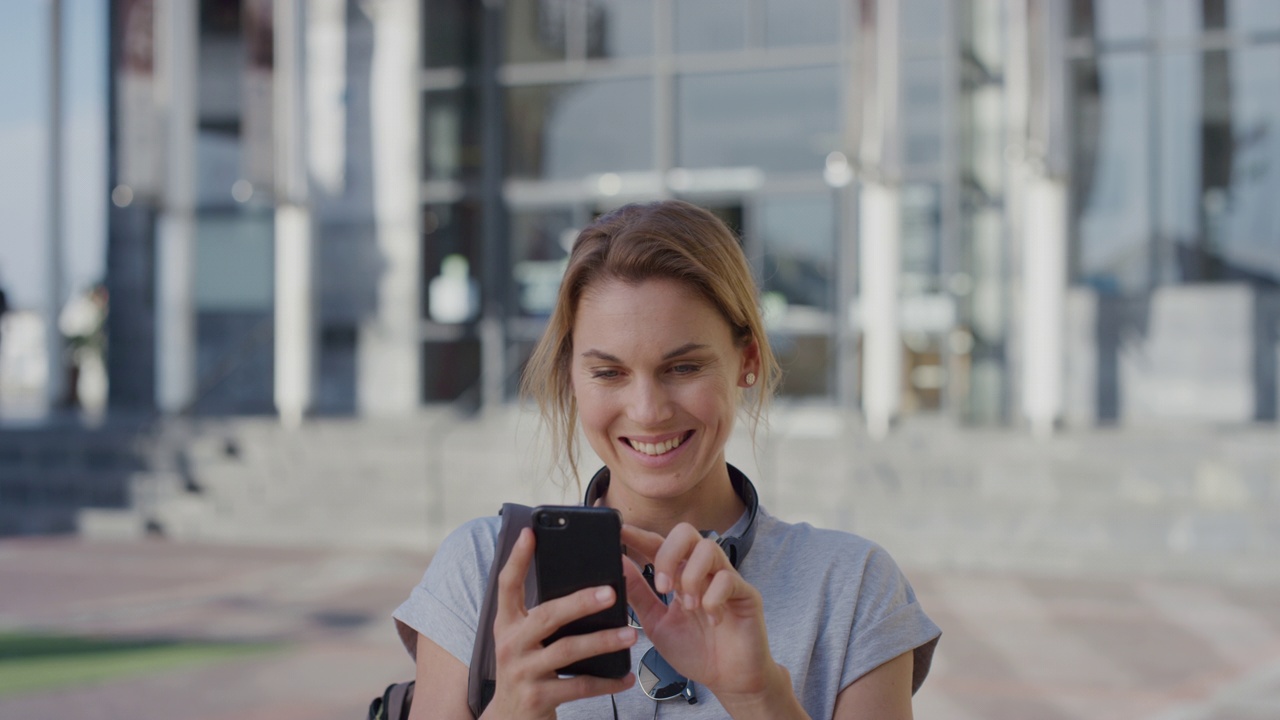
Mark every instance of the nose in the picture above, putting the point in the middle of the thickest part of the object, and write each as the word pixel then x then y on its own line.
pixel 649 404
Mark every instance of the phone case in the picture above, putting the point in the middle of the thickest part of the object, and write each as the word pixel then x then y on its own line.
pixel 581 547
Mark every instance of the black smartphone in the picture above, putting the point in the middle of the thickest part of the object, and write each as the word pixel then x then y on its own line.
pixel 581 547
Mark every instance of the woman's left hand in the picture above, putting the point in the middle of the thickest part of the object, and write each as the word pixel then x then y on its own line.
pixel 713 631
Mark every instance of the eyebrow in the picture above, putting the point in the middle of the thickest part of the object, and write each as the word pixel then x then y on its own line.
pixel 682 350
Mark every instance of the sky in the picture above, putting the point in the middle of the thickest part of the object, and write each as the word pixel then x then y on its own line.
pixel 25 39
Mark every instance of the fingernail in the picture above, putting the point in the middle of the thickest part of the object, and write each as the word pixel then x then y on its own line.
pixel 626 634
pixel 662 582
pixel 604 594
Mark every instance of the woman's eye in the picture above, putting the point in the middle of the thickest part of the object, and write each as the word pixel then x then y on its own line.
pixel 604 374
pixel 684 369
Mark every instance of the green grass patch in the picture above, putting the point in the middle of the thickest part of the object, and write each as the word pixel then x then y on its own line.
pixel 31 662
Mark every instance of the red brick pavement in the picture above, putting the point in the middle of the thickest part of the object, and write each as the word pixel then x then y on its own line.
pixel 1014 647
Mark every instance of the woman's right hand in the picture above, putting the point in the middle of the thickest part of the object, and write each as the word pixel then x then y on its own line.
pixel 527 684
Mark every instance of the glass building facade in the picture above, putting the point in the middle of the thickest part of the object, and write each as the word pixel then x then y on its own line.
pixel 1160 119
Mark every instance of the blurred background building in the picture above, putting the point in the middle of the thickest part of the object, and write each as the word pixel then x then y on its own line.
pixel 1009 212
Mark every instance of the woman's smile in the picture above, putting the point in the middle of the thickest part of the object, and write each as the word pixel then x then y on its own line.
pixel 658 449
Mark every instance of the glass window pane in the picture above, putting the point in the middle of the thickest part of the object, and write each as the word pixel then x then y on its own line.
pixel 924 21
pixel 540 240
pixel 450 134
pixel 568 131
pixel 798 274
pixel 805 362
pixel 536 30
pixel 774 120
pixel 1218 189
pixel 801 22
pixel 619 28
pixel 451 231
pixel 450 32
pixel 1188 18
pixel 710 25
pixel 1253 15
pixel 1109 20
pixel 1111 165
pixel 921 238
pixel 922 111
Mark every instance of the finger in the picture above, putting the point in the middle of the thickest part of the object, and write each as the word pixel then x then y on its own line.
pixel 680 542
pixel 705 560
pixel 572 648
pixel 551 615
pixel 721 589
pixel 641 542
pixel 511 578
pixel 647 606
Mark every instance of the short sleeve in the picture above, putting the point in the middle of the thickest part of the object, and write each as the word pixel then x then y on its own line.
pixel 887 622
pixel 445 605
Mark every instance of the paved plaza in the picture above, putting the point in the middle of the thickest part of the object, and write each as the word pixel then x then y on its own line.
pixel 1014 646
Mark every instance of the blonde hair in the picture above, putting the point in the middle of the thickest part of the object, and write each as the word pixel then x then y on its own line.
pixel 669 239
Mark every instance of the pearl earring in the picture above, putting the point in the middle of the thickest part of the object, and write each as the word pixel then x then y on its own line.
pixel 751 379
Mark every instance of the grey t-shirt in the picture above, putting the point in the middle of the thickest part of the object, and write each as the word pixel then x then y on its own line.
pixel 836 607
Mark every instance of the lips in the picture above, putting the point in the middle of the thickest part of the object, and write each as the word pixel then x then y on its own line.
pixel 655 449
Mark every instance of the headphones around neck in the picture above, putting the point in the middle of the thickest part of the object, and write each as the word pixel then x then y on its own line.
pixel 736 547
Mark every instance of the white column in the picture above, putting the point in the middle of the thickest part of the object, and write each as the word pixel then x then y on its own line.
pixel 389 349
pixel 879 271
pixel 1044 286
pixel 55 294
pixel 294 272
pixel 177 35
pixel 294 315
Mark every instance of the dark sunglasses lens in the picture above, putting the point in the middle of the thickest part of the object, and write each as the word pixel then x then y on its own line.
pixel 659 680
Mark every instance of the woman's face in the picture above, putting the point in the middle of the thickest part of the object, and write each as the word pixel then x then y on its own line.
pixel 656 375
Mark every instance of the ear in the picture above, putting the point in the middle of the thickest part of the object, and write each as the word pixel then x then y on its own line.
pixel 750 364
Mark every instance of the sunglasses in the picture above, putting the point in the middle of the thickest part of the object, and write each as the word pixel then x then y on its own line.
pixel 658 679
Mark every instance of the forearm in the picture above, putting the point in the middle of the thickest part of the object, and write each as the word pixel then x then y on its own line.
pixel 775 701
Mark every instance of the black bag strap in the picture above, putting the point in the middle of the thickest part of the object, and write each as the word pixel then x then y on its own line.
pixel 482 681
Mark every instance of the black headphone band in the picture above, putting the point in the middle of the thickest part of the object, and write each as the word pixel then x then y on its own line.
pixel 735 546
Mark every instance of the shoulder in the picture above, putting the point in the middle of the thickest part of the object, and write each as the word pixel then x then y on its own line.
pixel 819 546
pixel 838 564
pixel 474 540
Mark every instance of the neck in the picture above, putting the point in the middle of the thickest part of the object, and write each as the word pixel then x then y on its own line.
pixel 711 505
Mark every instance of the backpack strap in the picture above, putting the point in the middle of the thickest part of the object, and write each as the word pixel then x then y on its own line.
pixel 483 676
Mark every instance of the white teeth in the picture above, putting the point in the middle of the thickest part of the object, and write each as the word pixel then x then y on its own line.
pixel 657 448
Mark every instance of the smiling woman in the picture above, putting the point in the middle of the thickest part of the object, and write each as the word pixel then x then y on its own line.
pixel 655 343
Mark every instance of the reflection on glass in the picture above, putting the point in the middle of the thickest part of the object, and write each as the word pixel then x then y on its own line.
pixel 450 134
pixel 1109 20
pixel 774 120
pixel 801 22
pixel 536 30
pixel 619 28
pixel 1188 18
pixel 710 25
pixel 539 250
pixel 921 237
pixel 568 131
pixel 922 112
pixel 924 21
pixel 805 362
pixel 1219 113
pixel 549 30
pixel 449 230
pixel 450 32
pixel 798 273
pixel 1111 172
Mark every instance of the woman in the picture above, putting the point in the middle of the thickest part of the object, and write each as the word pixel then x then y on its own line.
pixel 655 342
